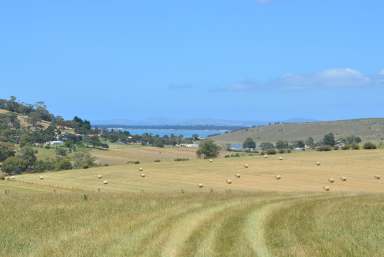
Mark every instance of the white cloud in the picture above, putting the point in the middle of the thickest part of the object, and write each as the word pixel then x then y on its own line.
pixel 330 78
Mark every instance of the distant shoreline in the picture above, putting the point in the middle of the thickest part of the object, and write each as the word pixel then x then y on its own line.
pixel 175 127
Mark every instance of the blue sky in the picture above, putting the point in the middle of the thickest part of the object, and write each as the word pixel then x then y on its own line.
pixel 181 60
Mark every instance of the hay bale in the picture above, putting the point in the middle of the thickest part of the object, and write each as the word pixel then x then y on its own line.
pixel 105 182
pixel 41 178
pixel 281 158
pixel 237 175
pixel 265 156
pixel 331 180
pixel 229 181
pixel 99 176
pixel 210 160
pixel 344 179
pixel 326 188
pixel 141 169
pixel 142 175
pixel 378 177
pixel 200 185
pixel 317 163
pixel 278 177
pixel 246 165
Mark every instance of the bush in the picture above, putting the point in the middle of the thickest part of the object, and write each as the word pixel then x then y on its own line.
pixel 133 162
pixel 41 166
pixel 346 147
pixel 324 148
pixel 271 151
pixel 14 165
pixel 369 146
pixel 6 151
pixel 208 149
pixel 63 164
pixel 181 159
pixel 83 160
pixel 355 147
pixel 156 161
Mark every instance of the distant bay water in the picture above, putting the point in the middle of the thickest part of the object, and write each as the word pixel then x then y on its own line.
pixel 183 132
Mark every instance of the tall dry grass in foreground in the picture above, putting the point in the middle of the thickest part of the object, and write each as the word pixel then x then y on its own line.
pixel 200 224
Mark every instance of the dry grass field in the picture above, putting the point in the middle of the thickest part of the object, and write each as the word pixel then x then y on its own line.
pixel 166 213
pixel 120 154
pixel 298 172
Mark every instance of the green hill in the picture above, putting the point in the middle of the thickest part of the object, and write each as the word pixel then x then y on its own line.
pixel 367 129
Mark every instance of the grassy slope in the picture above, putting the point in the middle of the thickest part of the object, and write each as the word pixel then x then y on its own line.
pixel 368 129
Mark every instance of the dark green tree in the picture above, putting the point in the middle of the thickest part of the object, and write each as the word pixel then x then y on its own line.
pixel 329 139
pixel 208 149
pixel 249 143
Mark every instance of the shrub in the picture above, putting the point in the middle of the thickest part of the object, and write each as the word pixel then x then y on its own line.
pixel 133 162
pixel 271 151
pixel 369 146
pixel 355 147
pixel 156 161
pixel 181 159
pixel 63 164
pixel 6 151
pixel 14 165
pixel 83 160
pixel 346 147
pixel 324 148
pixel 40 166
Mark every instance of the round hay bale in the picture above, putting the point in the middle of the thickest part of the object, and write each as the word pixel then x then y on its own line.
pixel 229 181
pixel 99 176
pixel 12 178
pixel 344 179
pixel 41 178
pixel 331 180
pixel 246 165
pixel 378 177
pixel 141 169
pixel 210 160
pixel 238 175
pixel 200 185
pixel 326 188
pixel 317 163
pixel 142 175
pixel 265 156
pixel 105 182
pixel 278 177
pixel 281 158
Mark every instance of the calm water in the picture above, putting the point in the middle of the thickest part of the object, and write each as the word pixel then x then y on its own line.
pixel 183 132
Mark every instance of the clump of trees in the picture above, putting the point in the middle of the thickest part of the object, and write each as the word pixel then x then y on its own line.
pixel 369 146
pixel 122 136
pixel 249 144
pixel 208 149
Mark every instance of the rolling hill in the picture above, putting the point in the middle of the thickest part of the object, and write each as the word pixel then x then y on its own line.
pixel 367 129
